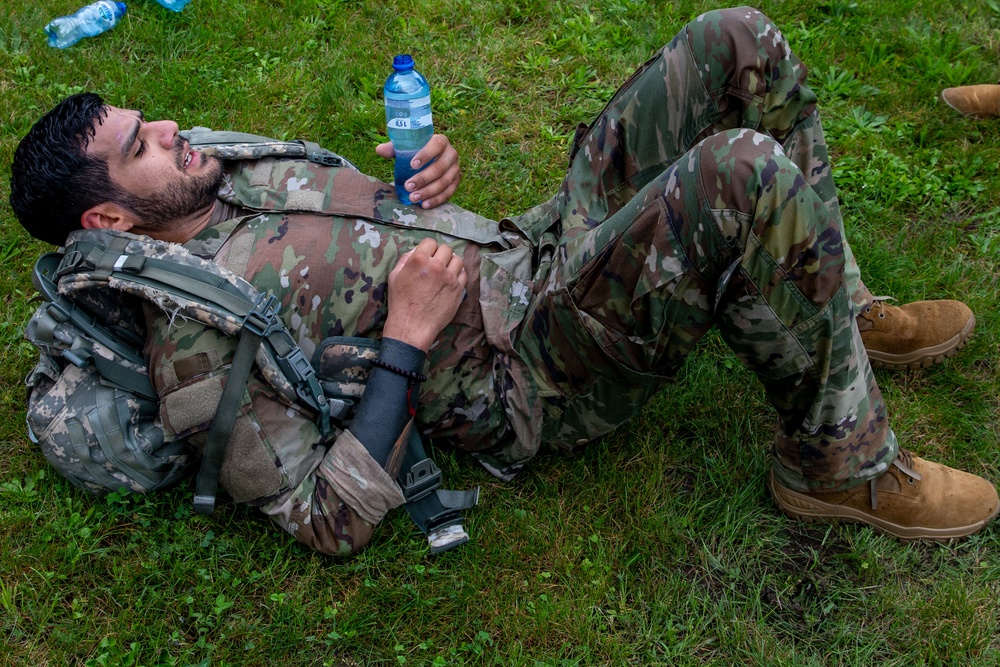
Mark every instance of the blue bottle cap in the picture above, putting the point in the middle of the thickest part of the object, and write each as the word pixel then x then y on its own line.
pixel 402 62
pixel 120 6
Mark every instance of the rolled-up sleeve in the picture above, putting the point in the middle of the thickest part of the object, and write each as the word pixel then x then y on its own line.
pixel 359 480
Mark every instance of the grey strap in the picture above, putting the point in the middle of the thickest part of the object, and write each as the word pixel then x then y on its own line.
pixel 437 512
pixel 222 424
pixel 124 377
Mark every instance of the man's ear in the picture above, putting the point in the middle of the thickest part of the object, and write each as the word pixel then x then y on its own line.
pixel 107 216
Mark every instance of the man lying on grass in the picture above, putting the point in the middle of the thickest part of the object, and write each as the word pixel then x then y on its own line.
pixel 701 196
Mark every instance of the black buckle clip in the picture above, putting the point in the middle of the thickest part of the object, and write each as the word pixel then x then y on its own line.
pixel 295 365
pixel 423 477
pixel 71 261
pixel 260 320
pixel 326 159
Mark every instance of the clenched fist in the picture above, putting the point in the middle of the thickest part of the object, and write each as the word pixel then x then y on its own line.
pixel 425 290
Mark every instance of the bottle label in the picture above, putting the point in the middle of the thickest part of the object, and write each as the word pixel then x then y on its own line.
pixel 106 14
pixel 408 114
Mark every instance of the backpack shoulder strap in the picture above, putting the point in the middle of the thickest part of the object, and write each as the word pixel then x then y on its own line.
pixel 60 308
pixel 244 146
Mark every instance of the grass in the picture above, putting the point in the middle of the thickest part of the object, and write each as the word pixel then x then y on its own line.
pixel 657 545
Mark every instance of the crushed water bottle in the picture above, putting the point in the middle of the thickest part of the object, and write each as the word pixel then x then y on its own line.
pixel 407 118
pixel 174 5
pixel 88 21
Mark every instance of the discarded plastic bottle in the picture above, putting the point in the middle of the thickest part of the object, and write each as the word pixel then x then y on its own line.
pixel 174 5
pixel 407 118
pixel 88 21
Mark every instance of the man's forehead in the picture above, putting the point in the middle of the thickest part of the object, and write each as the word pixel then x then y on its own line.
pixel 113 130
pixel 114 115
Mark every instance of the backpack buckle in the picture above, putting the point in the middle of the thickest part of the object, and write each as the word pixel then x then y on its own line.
pixel 424 476
pixel 261 319
pixel 325 159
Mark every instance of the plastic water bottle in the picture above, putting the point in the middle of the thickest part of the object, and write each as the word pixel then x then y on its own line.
pixel 88 21
pixel 174 5
pixel 407 118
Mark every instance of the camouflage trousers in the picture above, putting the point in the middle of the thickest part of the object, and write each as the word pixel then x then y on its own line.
pixel 702 196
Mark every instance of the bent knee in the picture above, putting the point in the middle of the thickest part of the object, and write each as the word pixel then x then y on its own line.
pixel 729 43
pixel 731 26
pixel 736 165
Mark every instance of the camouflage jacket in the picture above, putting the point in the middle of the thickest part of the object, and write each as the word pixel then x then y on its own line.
pixel 324 240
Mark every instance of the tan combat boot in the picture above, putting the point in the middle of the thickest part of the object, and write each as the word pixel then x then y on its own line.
pixel 980 101
pixel 914 500
pixel 914 335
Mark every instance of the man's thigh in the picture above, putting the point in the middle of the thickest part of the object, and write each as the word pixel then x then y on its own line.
pixel 620 307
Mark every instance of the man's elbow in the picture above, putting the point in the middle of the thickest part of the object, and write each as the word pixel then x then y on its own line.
pixel 342 533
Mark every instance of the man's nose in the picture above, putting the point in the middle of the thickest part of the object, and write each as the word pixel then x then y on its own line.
pixel 164 132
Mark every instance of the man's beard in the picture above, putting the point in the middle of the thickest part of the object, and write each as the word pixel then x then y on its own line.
pixel 180 199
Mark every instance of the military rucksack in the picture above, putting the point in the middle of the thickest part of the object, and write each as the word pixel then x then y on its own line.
pixel 92 408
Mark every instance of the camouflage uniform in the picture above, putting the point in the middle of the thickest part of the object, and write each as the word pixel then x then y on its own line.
pixel 701 196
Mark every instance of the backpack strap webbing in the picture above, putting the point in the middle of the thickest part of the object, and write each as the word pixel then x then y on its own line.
pixel 228 145
pixel 225 417
pixel 107 259
pixel 437 512
pixel 59 309
pixel 194 291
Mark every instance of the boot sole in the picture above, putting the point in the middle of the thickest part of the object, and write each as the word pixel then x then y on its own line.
pixel 925 356
pixel 803 506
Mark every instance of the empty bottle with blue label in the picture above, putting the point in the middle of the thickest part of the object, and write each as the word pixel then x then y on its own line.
pixel 88 21
pixel 407 118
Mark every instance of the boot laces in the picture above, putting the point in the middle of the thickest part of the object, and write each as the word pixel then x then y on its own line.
pixel 904 462
pixel 879 301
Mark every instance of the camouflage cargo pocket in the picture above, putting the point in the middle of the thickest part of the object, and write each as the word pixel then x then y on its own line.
pixel 598 384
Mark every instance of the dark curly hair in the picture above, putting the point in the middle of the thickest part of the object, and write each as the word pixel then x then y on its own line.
pixel 53 179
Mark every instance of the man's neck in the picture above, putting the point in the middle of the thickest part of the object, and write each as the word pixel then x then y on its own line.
pixel 185 229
